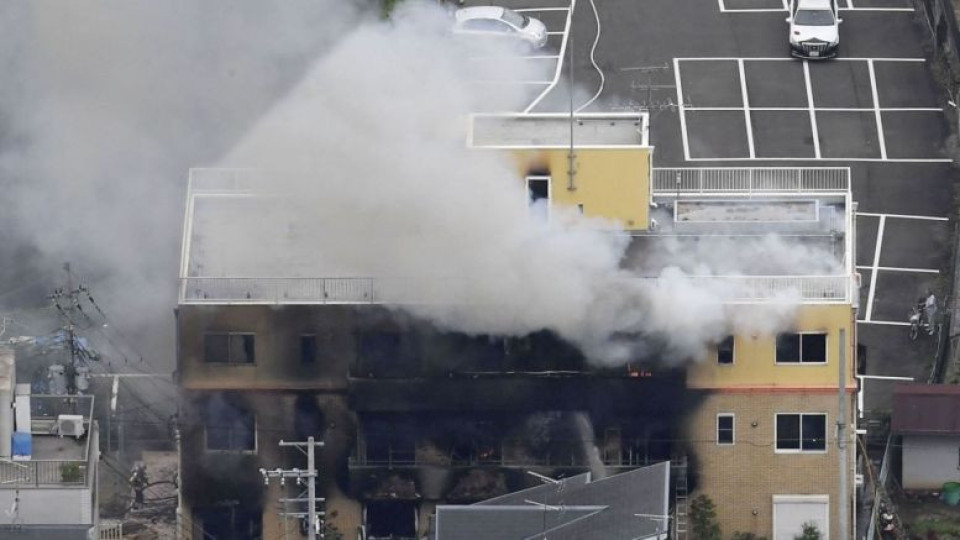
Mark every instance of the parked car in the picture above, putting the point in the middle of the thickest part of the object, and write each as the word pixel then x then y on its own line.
pixel 814 28
pixel 500 22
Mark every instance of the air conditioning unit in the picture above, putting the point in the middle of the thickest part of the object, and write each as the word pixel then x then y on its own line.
pixel 70 425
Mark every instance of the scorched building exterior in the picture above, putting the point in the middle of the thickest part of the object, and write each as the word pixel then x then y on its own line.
pixel 413 416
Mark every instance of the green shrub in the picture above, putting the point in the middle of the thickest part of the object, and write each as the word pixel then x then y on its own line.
pixel 703 519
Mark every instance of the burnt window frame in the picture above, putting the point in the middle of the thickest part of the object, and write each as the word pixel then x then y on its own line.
pixel 800 361
pixel 733 350
pixel 305 359
pixel 732 429
pixel 230 344
pixel 800 449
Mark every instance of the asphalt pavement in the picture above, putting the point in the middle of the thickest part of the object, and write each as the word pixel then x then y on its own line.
pixel 743 102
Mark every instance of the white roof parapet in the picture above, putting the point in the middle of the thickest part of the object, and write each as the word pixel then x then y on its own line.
pixel 553 130
pixel 750 181
pixel 295 291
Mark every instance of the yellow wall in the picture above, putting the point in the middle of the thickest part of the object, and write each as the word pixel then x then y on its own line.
pixel 754 363
pixel 742 478
pixel 610 183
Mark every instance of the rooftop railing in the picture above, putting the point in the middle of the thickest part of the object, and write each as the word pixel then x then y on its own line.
pixel 216 290
pixel 43 473
pixel 750 180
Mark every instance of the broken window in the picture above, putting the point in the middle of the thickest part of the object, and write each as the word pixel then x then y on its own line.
pixel 538 196
pixel 802 348
pixel 229 427
pixel 725 351
pixel 229 348
pixel 725 428
pixel 801 432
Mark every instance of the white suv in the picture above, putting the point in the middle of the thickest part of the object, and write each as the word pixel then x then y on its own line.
pixel 814 28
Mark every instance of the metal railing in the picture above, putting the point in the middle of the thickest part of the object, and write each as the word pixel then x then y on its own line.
pixel 750 180
pixel 785 288
pixel 216 290
pixel 38 473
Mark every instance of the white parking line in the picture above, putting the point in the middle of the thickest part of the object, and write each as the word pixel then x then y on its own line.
pixel 901 216
pixel 822 109
pixel 790 59
pixel 785 7
pixel 746 108
pixel 897 269
pixel 511 81
pixel 563 49
pixel 876 263
pixel 554 33
pixel 876 108
pixel 812 108
pixel 682 112
pixel 528 10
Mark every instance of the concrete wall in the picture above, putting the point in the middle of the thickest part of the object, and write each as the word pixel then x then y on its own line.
pixel 755 356
pixel 742 478
pixel 49 506
pixel 277 347
pixel 928 462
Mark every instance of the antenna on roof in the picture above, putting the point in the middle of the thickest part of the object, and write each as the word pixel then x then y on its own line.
pixel 571 172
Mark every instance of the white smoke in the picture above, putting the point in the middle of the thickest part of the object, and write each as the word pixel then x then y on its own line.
pixel 386 187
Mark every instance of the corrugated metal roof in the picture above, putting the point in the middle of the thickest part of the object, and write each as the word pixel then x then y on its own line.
pixel 926 409
pixel 609 508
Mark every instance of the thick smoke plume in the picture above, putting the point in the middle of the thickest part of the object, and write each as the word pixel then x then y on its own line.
pixel 109 102
pixel 383 185
pixel 105 105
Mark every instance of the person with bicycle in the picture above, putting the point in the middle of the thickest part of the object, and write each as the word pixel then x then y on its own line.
pixel 930 311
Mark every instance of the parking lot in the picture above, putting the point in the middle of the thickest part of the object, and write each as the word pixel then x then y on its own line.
pixel 534 73
pixel 722 90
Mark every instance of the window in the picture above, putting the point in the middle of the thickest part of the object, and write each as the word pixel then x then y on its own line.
pixel 725 351
pixel 229 428
pixel 538 196
pixel 725 429
pixel 801 432
pixel 802 349
pixel 308 348
pixel 229 348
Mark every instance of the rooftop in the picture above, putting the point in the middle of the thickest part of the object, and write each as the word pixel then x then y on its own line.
pixel 553 130
pixel 926 409
pixel 726 211
pixel 623 506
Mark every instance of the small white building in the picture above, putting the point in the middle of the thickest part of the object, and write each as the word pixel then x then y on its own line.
pixel 926 417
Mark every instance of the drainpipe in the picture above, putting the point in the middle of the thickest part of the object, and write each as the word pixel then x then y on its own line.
pixel 844 507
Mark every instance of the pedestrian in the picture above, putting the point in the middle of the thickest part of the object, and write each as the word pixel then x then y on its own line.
pixel 930 309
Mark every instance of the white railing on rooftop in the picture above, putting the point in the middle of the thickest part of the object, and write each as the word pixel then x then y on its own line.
pixel 217 290
pixel 750 180
pixel 832 289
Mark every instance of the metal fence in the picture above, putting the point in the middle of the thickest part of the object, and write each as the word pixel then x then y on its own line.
pixel 111 530
pixel 786 288
pixel 37 473
pixel 751 180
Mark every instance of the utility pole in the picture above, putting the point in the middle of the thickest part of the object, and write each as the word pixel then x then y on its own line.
pixel 842 514
pixel 310 474
pixel 571 155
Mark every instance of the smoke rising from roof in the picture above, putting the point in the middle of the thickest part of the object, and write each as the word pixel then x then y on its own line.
pixel 385 186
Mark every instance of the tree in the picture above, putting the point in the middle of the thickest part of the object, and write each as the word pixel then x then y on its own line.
pixel 703 519
pixel 810 532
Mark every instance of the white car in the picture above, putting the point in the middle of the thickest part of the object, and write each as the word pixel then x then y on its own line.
pixel 498 21
pixel 814 28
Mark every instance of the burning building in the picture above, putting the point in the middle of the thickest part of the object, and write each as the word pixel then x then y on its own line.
pixel 639 315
